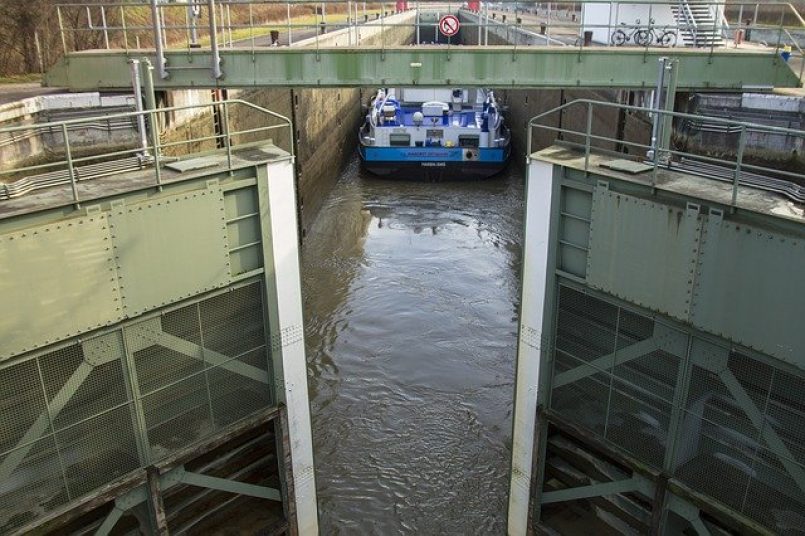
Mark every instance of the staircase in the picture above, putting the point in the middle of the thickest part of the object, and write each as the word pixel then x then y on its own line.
pixel 699 23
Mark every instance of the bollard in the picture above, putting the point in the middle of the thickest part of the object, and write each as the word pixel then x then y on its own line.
pixel 503 18
pixel 588 38
pixel 519 20
pixel 542 28
pixel 323 27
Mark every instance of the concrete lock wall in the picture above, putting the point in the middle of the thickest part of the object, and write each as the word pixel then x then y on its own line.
pixel 498 33
pixel 523 105
pixel 30 146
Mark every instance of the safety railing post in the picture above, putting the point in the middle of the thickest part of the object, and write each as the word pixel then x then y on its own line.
pixel 588 141
pixel 159 45
pixel 655 104
pixel 486 24
pixel 61 29
pixel 153 119
pixel 738 164
pixel 229 25
pixel 123 27
pixel 479 25
pixel 227 138
pixel 290 31
pixel 70 167
pixel 216 53
pixel 779 34
pixel 136 83
pixel 669 105
pixel 251 29
pixel 105 29
pixel 529 141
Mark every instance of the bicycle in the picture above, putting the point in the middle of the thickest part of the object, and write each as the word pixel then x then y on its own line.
pixel 667 38
pixel 641 36
pixel 662 36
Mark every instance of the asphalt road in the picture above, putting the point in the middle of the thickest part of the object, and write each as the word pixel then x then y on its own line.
pixel 14 92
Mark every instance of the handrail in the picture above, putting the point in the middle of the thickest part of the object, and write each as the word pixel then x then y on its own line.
pixel 185 27
pixel 68 170
pixel 738 171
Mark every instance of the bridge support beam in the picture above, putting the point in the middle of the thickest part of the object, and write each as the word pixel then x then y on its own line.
pixel 526 67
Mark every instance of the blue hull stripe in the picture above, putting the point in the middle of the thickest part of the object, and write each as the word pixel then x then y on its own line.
pixel 430 154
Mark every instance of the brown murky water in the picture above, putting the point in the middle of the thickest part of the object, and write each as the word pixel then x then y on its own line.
pixel 411 299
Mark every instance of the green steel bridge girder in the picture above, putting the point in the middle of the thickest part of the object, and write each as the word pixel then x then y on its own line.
pixel 500 66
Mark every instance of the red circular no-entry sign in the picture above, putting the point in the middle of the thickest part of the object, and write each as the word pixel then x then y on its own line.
pixel 449 25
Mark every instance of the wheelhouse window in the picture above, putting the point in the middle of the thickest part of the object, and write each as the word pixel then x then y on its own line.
pixel 400 140
pixel 469 141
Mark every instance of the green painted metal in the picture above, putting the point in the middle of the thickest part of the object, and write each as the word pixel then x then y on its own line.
pixel 768 278
pixel 534 67
pixel 56 267
pixel 703 404
pixel 231 486
pixel 682 263
pixel 190 255
pixel 635 483
pixel 643 251
pixel 126 329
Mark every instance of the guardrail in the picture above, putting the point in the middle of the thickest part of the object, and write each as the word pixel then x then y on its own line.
pixel 149 152
pixel 216 24
pixel 739 171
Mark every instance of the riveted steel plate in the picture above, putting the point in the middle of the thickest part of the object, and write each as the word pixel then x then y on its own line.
pixel 643 252
pixel 56 281
pixel 751 289
pixel 170 248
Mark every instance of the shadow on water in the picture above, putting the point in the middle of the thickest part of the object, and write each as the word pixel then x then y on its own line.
pixel 411 296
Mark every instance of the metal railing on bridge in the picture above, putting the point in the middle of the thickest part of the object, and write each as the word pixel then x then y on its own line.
pixel 742 168
pixel 216 24
pixel 147 152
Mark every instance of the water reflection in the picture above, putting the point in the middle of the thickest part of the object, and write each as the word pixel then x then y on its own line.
pixel 411 306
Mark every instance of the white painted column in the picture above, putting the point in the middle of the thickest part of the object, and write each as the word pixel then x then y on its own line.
pixel 539 187
pixel 287 331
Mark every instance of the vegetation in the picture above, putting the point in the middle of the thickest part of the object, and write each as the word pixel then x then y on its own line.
pixel 30 40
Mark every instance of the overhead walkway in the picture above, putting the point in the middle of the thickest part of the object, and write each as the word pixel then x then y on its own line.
pixel 500 66
pixel 218 44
